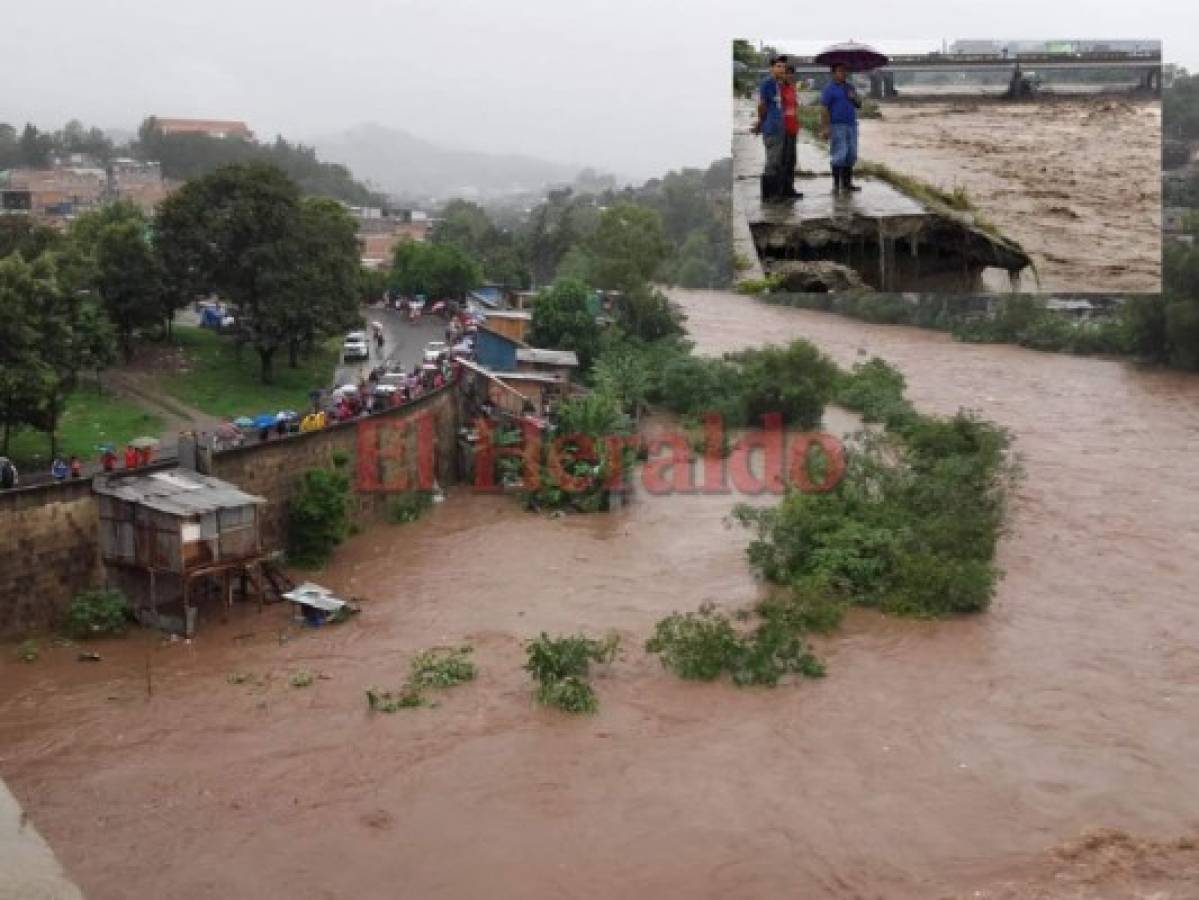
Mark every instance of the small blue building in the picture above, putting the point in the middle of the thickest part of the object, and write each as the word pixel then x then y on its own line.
pixel 496 351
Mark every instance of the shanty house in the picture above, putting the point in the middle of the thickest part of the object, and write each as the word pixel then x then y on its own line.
pixel 175 536
pixel 559 363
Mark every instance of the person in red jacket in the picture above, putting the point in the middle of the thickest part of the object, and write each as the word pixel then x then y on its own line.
pixel 130 458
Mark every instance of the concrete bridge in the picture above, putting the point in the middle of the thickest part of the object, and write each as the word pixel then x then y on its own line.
pixel 1143 68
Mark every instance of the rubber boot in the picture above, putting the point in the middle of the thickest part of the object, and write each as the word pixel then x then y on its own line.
pixel 768 189
pixel 847 180
pixel 836 179
pixel 789 191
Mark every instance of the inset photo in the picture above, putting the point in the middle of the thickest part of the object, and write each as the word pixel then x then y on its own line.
pixel 964 166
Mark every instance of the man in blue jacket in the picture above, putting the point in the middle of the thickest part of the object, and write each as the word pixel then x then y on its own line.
pixel 839 125
pixel 775 183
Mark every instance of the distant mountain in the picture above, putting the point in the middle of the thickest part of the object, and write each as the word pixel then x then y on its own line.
pixel 397 162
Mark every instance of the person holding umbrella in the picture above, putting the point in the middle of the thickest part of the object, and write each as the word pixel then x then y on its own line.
pixel 839 126
pixel 840 104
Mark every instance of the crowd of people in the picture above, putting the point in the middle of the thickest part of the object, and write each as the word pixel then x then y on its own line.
pixel 71 466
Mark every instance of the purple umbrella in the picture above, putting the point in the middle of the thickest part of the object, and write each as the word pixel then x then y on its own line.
pixel 856 57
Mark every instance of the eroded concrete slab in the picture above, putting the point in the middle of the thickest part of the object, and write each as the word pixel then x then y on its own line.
pixel 28 867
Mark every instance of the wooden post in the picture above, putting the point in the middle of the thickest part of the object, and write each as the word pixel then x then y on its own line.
pixel 187 618
pixel 228 598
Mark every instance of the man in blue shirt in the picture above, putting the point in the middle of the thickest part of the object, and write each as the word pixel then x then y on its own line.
pixel 839 125
pixel 770 125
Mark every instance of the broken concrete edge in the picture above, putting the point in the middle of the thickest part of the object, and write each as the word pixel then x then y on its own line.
pixel 30 869
pixel 936 228
pixel 941 203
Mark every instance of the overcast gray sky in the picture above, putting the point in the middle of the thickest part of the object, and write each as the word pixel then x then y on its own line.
pixel 632 86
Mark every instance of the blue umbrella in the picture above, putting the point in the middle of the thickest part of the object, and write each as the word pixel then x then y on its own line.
pixel 264 420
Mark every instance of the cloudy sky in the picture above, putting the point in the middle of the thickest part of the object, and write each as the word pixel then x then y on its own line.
pixel 631 86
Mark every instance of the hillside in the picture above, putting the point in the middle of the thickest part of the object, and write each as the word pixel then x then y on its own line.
pixel 396 161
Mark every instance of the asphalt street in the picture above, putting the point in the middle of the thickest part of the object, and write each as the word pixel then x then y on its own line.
pixel 403 343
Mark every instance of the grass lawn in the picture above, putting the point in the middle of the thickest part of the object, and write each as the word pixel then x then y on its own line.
pixel 90 418
pixel 220 384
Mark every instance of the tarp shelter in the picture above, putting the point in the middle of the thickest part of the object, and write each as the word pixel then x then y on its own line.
pixel 168 536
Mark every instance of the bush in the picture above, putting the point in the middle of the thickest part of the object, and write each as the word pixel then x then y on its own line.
pixel 795 381
pixel 318 516
pixel 409 506
pixel 702 645
pixel 911 528
pixel 560 666
pixel 442 668
pixel 874 389
pixel 696 646
pixel 570 694
pixel 389 702
pixel 96 613
pixel 436 668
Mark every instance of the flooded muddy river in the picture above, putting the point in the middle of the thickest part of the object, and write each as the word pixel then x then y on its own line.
pixel 1076 181
pixel 937 759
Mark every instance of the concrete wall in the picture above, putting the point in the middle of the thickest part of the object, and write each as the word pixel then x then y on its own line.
pixel 273 469
pixel 49 534
pixel 49 551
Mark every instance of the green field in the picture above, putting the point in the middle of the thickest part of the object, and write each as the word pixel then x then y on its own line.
pixel 90 418
pixel 222 384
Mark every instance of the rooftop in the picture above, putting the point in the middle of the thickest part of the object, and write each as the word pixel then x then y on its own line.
pixel 177 492
pixel 547 357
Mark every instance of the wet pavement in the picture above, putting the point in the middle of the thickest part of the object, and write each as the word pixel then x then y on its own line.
pixel 877 200
pixel 403 347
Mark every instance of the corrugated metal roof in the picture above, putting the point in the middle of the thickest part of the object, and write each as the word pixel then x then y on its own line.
pixel 177 492
pixel 549 357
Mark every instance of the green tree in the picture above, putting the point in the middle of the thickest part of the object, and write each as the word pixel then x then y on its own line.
pixel 648 314
pixel 629 245
pixel 70 334
pixel 562 321
pixel 435 270
pixel 795 382
pixel 25 375
pixel 467 225
pixel 624 374
pixel 1180 107
pixel 327 277
pixel 318 516
pixel 236 232
pixel 27 236
pixel 34 148
pixel 128 280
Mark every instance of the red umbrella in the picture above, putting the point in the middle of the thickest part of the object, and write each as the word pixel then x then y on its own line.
pixel 854 56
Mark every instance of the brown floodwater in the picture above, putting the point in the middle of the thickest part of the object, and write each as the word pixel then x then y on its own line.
pixel 1077 181
pixel 937 759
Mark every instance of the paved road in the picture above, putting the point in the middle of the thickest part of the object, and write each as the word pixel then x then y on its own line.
pixel 403 345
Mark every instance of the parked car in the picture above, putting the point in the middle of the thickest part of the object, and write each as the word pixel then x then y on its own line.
pixel 434 350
